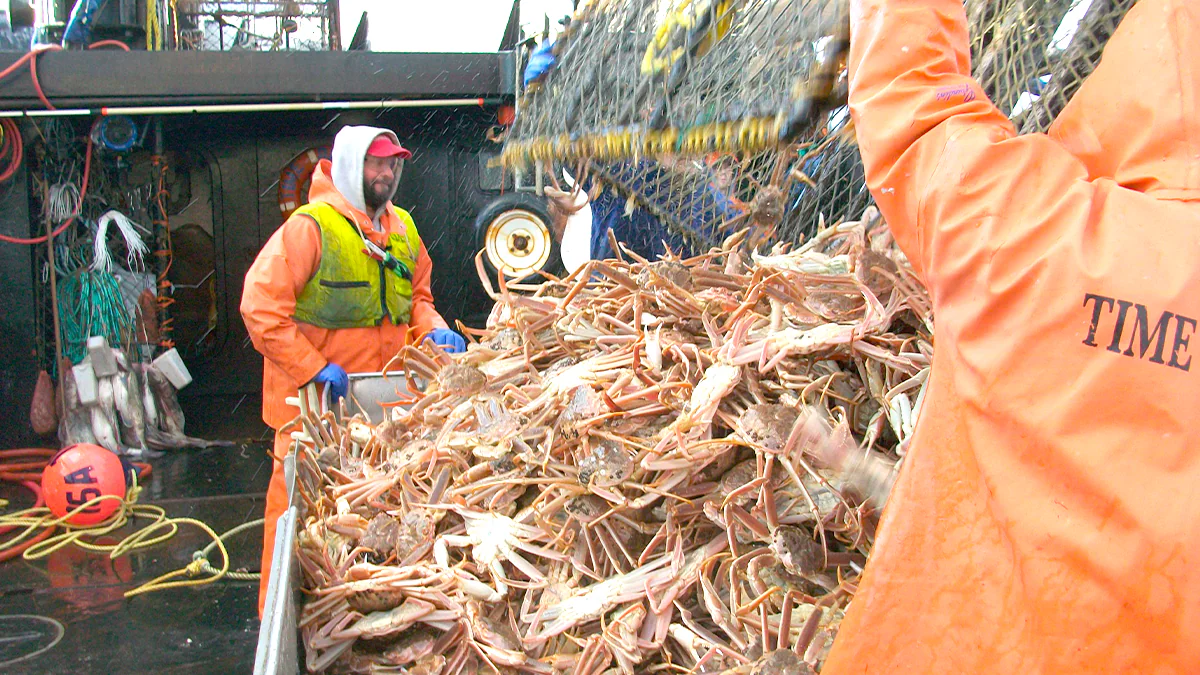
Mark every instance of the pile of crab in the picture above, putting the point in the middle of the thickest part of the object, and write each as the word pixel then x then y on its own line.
pixel 667 466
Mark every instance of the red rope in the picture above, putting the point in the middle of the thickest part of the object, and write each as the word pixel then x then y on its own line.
pixel 37 85
pixel 87 169
pixel 14 132
pixel 109 43
pixel 12 143
pixel 31 59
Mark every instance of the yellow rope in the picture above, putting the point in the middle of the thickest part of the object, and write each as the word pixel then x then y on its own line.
pixel 157 532
pixel 153 30
pixel 175 23
pixel 36 519
pixel 195 568
pixel 209 569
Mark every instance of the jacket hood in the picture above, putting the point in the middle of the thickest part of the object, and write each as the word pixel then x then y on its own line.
pixel 349 152
pixel 1136 120
pixel 322 189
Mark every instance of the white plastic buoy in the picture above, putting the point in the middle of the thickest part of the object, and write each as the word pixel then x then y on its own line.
pixel 576 246
pixel 170 364
pixel 103 362
pixel 85 383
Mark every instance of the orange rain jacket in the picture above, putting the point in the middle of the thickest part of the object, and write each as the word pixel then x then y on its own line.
pixel 295 352
pixel 1047 518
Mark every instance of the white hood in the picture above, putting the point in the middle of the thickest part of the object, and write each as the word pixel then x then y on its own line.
pixel 349 152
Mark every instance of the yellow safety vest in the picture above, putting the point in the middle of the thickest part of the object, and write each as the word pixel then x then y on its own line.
pixel 351 289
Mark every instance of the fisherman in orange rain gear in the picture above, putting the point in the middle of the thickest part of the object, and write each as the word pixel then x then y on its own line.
pixel 337 289
pixel 1047 517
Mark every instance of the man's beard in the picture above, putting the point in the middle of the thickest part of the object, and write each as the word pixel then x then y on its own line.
pixel 374 200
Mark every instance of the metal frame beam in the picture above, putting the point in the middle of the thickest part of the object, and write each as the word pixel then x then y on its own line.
pixel 111 78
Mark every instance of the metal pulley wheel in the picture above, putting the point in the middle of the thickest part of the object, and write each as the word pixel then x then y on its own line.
pixel 514 232
pixel 518 243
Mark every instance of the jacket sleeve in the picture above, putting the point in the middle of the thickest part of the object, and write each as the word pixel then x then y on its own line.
pixel 955 183
pixel 282 269
pixel 424 316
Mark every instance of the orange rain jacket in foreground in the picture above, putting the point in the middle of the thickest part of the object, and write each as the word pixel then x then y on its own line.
pixel 1047 519
pixel 295 352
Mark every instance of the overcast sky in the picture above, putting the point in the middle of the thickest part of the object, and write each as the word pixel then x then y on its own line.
pixel 443 25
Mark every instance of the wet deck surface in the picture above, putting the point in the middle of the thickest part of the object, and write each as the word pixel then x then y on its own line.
pixel 206 629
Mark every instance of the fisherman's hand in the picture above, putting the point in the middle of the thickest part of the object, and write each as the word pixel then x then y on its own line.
pixel 451 341
pixel 540 62
pixel 333 375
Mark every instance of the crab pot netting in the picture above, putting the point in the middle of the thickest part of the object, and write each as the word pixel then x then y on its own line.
pixel 680 76
pixel 655 120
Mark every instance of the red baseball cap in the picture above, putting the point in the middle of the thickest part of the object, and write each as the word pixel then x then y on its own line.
pixel 383 146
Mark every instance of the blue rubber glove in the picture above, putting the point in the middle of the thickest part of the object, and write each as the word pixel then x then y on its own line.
pixel 333 375
pixel 453 342
pixel 540 62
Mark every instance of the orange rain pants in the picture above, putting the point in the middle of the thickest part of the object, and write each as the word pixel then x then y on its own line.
pixel 295 352
pixel 1047 518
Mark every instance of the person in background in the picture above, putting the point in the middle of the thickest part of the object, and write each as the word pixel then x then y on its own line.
pixel 339 288
pixel 1046 519
pixel 683 190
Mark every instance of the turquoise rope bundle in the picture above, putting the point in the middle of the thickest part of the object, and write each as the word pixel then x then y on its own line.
pixel 90 304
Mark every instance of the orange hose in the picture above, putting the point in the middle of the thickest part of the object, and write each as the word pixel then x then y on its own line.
pixel 17 472
pixel 15 551
pixel 24 471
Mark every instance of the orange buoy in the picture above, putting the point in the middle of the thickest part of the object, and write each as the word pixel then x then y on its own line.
pixel 79 474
